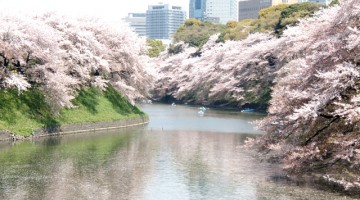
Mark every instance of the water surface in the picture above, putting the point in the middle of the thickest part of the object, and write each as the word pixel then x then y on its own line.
pixel 179 155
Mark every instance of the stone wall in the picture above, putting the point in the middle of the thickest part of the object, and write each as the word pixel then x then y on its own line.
pixel 92 126
pixel 4 135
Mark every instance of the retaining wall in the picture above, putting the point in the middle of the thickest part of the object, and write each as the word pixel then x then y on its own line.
pixel 80 128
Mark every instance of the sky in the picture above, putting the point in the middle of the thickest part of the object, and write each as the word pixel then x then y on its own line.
pixel 109 10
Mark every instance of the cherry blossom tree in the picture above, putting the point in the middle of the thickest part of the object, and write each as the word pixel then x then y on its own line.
pixel 60 55
pixel 313 71
pixel 230 72
pixel 314 111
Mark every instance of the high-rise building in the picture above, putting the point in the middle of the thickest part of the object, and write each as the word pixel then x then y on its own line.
pixel 218 11
pixel 250 8
pixel 197 9
pixel 277 2
pixel 137 22
pixel 163 20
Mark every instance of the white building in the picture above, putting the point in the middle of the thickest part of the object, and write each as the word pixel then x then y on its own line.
pixel 163 20
pixel 218 11
pixel 137 22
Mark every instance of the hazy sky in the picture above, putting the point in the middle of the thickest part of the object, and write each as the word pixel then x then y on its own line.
pixel 111 10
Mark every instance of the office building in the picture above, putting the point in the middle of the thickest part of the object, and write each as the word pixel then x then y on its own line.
pixel 137 22
pixel 249 9
pixel 278 2
pixel 324 2
pixel 197 9
pixel 217 11
pixel 163 20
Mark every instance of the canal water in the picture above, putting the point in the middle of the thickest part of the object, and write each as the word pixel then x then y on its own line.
pixel 180 154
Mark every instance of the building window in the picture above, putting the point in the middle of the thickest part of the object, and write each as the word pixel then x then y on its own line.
pixel 198 4
pixel 158 7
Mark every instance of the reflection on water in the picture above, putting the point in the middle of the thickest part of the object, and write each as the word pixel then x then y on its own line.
pixel 201 166
pixel 187 118
pixel 160 161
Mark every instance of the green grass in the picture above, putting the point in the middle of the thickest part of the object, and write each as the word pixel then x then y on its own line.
pixel 104 112
pixel 23 125
pixel 17 115
pixel 22 113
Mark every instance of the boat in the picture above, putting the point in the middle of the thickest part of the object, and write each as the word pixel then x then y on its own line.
pixel 248 110
pixel 202 108
pixel 201 113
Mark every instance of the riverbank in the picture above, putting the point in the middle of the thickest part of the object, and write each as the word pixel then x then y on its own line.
pixel 28 114
pixel 79 128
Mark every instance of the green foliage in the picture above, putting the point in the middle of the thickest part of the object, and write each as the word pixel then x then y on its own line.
pixel 109 105
pixel 21 113
pixel 25 112
pixel 37 108
pixel 196 33
pixel 197 53
pixel 192 22
pixel 271 19
pixel 231 24
pixel 175 49
pixel 290 15
pixel 89 98
pixel 240 31
pixel 266 22
pixel 155 48
pixel 260 97
pixel 264 97
pixel 7 106
pixel 334 2
pixel 120 104
pixel 221 37
pixel 267 13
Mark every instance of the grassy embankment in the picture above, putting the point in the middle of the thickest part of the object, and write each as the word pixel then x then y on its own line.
pixel 25 112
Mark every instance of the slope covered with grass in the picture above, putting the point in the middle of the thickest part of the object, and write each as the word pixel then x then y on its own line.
pixel 25 112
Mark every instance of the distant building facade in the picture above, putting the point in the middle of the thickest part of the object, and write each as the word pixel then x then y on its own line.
pixel 278 2
pixel 197 9
pixel 217 11
pixel 324 2
pixel 137 22
pixel 249 9
pixel 163 20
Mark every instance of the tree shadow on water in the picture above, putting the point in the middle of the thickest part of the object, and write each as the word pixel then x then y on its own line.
pixel 52 142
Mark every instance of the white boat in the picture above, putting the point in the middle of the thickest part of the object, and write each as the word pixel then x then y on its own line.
pixel 202 108
pixel 247 110
pixel 201 113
